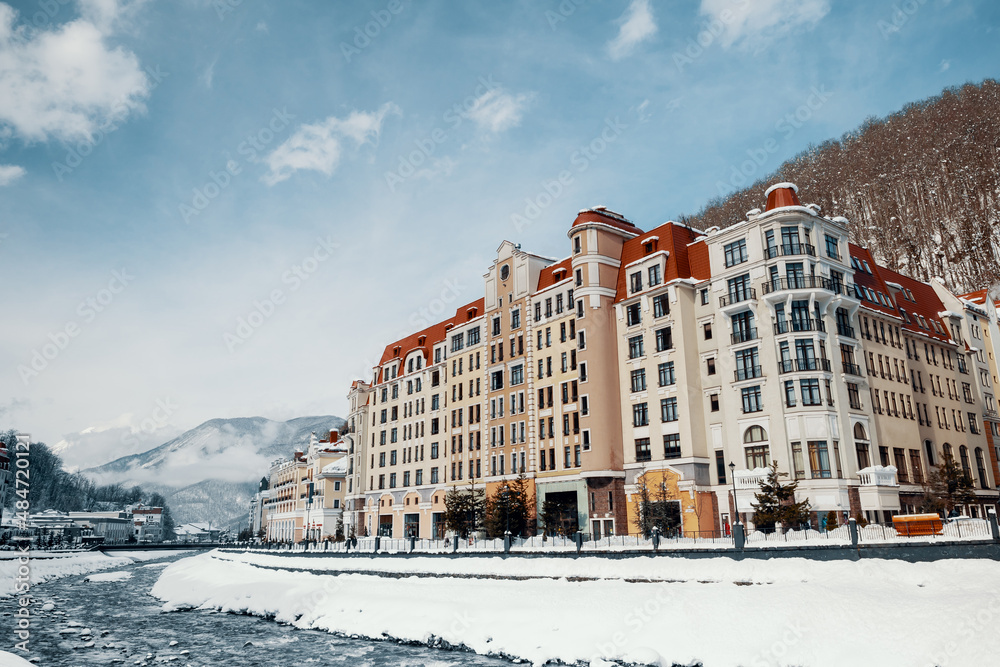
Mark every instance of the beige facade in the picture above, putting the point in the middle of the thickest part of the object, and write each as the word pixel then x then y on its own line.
pixel 669 358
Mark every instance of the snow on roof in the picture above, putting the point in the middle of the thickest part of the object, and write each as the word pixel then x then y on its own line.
pixel 338 467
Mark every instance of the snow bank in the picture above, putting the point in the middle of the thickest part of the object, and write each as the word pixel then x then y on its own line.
pixel 783 612
pixel 123 575
pixel 56 567
pixel 12 660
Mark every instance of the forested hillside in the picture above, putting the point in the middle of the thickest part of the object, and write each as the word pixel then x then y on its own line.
pixel 920 187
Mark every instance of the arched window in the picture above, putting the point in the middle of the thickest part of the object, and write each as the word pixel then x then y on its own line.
pixel 963 452
pixel 755 434
pixel 981 468
pixel 947 451
pixel 859 432
pixel 929 449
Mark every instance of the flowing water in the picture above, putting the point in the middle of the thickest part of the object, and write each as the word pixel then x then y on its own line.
pixel 119 623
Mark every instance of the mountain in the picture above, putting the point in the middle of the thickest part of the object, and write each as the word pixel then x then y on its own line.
pixel 921 187
pixel 210 472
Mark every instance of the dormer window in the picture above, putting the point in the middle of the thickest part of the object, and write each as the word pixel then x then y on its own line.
pixel 648 247
pixel 635 282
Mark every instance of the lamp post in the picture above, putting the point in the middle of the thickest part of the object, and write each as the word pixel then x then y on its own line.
pixel 506 506
pixel 736 509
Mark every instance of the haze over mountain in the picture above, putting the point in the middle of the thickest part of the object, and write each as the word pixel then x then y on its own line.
pixel 920 188
pixel 210 472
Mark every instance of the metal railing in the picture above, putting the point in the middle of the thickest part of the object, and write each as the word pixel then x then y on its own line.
pixel 846 331
pixel 802 282
pixel 744 335
pixel 799 324
pixel 748 373
pixel 738 296
pixel 852 369
pixel 789 249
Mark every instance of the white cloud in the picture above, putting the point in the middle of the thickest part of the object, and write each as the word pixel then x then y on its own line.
pixel 262 27
pixel 760 20
pixel 122 436
pixel 636 25
pixel 944 66
pixel 320 146
pixel 63 83
pixel 209 75
pixel 10 173
pixel 496 110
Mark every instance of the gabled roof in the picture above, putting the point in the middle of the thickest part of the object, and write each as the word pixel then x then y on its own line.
pixel 677 241
pixel 547 276
pixel 431 335
pixel 926 303
pixel 873 281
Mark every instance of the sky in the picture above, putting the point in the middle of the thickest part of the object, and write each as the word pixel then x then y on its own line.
pixel 226 208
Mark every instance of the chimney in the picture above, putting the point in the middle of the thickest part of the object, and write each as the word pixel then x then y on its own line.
pixel 334 436
pixel 780 195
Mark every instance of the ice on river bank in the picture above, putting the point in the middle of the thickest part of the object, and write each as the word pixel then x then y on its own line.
pixel 720 612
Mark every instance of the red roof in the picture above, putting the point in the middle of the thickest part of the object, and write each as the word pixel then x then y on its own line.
pixel 547 276
pixel 780 195
pixel 926 302
pixel 604 216
pixel 673 238
pixel 872 281
pixel 432 334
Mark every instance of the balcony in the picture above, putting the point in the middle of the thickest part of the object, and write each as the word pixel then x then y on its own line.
pixel 789 250
pixel 878 476
pixel 990 414
pixel 744 336
pixel 748 373
pixel 738 296
pixel 799 324
pixel 804 282
pixel 846 331
pixel 799 365
pixel 852 369
pixel 747 484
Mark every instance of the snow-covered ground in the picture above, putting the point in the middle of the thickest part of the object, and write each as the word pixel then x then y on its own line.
pixel 55 565
pixel 717 611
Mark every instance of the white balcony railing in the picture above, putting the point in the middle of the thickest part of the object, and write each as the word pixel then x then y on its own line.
pixel 750 479
pixel 878 476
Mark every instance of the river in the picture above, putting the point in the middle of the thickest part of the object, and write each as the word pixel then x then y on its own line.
pixel 118 622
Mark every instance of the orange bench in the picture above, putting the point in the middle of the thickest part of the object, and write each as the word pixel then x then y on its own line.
pixel 917 524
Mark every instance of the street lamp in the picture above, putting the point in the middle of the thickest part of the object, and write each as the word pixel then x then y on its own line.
pixel 736 509
pixel 506 507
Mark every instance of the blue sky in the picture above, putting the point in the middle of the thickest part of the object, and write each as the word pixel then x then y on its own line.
pixel 169 169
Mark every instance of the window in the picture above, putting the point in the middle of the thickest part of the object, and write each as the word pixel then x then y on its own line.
pixel 654 275
pixel 973 424
pixel 633 315
pixel 515 318
pixel 635 347
pixel 755 434
pixel 713 400
pixel 640 414
pixel 496 380
pixel 736 252
pixel 747 364
pixel 810 392
pixel 708 330
pixel 790 393
pixel 758 457
pixel 819 459
pixel 710 366
pixel 668 409
pixel 666 374
pixel 751 399
pixel 496 325
pixel 577 244
pixel 642 452
pixel 720 467
pixel 704 297
pixel 832 250
pixel 517 375
pixel 672 446
pixel 635 282
pixel 664 340
pixel 639 380
pixel 457 342
pixel 660 306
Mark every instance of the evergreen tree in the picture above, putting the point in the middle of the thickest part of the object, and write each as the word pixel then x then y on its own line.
pixel 657 509
pixel 947 488
pixel 464 509
pixel 511 506
pixel 558 517
pixel 831 520
pixel 776 502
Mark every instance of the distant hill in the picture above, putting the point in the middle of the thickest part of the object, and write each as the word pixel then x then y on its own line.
pixel 210 472
pixel 921 187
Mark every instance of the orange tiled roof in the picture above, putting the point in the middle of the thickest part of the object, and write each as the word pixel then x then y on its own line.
pixel 873 281
pixel 433 334
pixel 547 276
pixel 673 238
